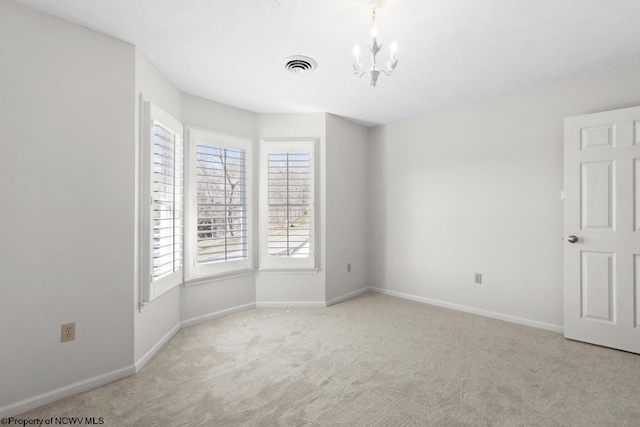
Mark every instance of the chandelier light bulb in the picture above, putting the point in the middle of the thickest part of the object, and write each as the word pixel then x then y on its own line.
pixel 374 32
pixel 356 50
pixel 394 47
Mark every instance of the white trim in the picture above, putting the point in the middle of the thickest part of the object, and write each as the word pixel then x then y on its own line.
pixel 219 277
pixel 218 132
pixel 194 271
pixel 143 305
pixel 199 319
pixel 66 391
pixel 149 288
pixel 292 304
pixel 100 380
pixel 153 350
pixel 288 145
pixel 288 270
pixel 466 309
pixel 346 296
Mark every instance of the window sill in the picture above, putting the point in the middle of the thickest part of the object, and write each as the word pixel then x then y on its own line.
pixel 218 277
pixel 146 304
pixel 288 270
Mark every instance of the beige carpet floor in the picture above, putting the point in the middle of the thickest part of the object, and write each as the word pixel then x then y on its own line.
pixel 372 360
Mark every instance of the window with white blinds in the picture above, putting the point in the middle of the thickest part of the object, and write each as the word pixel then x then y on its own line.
pixel 221 177
pixel 218 240
pixel 289 204
pixel 288 210
pixel 167 200
pixel 162 210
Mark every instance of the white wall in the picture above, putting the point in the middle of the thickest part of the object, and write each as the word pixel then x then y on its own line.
pixel 209 299
pixel 477 189
pixel 70 114
pixel 66 177
pixel 214 116
pixel 346 208
pixel 162 316
pixel 275 289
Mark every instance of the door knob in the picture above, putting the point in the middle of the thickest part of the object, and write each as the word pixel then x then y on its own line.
pixel 572 239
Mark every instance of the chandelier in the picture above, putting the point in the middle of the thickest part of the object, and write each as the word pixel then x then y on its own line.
pixel 374 43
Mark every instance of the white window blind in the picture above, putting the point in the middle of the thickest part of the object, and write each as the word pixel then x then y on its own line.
pixel 221 177
pixel 288 205
pixel 289 186
pixel 162 207
pixel 218 240
pixel 167 200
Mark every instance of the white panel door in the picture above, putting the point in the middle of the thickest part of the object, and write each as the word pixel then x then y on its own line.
pixel 602 229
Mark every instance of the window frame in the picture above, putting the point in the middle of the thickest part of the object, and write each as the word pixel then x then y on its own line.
pixel 194 272
pixel 300 145
pixel 151 289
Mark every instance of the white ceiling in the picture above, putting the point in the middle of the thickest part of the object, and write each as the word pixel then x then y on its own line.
pixel 451 52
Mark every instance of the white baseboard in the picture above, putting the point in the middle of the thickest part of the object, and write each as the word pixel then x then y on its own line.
pixel 100 380
pixel 466 309
pixel 204 318
pixel 66 391
pixel 81 386
pixel 290 304
pixel 347 296
pixel 149 354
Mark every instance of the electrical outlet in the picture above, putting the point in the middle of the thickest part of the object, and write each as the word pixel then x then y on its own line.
pixel 349 268
pixel 68 332
pixel 478 278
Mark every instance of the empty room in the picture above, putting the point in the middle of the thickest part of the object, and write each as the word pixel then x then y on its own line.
pixel 320 212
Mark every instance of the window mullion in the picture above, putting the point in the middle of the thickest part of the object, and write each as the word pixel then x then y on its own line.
pixel 287 216
pixel 226 218
pixel 173 207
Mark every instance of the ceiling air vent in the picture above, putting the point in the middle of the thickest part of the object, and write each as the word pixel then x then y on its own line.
pixel 299 64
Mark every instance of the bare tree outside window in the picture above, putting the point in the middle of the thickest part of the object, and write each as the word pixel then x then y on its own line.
pixel 222 206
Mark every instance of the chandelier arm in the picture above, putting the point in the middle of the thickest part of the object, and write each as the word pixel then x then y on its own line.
pixel 388 73
pixel 355 73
